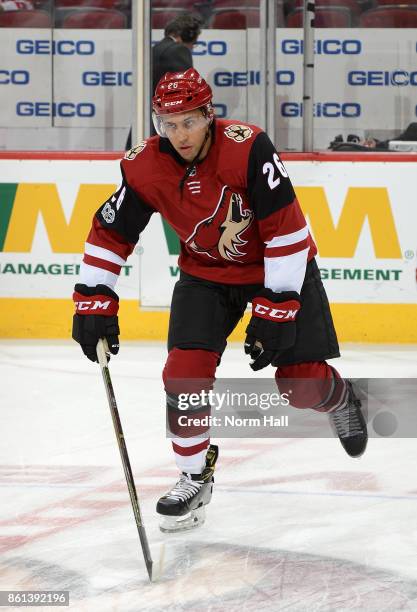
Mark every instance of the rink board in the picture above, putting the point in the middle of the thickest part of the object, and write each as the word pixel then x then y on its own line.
pixel 73 89
pixel 358 209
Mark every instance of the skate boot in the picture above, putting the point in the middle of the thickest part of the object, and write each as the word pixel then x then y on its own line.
pixel 182 508
pixel 349 424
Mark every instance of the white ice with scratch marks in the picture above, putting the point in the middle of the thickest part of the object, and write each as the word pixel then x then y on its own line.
pixel 294 524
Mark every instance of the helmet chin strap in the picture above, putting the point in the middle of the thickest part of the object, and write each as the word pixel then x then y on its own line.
pixel 195 158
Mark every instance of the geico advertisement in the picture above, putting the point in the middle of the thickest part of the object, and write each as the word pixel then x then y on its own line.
pixel 75 78
pixel 361 218
pixel 83 78
pixel 46 209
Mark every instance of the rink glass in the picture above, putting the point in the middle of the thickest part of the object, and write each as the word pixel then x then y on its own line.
pixel 67 71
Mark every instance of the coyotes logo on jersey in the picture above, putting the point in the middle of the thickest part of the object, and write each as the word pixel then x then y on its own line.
pixel 220 235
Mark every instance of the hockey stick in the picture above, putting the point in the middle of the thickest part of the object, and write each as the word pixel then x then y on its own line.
pixel 102 349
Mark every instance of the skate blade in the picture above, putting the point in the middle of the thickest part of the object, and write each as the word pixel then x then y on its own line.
pixel 175 524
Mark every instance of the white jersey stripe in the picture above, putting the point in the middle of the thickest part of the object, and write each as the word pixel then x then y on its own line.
pixel 92 276
pixel 96 251
pixel 287 239
pixel 286 273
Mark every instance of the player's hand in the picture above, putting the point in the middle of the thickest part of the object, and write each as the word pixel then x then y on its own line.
pixel 272 328
pixel 95 317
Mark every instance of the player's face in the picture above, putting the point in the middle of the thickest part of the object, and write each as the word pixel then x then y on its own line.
pixel 186 132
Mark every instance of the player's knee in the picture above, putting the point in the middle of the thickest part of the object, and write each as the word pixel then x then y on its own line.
pixel 188 373
pixel 190 364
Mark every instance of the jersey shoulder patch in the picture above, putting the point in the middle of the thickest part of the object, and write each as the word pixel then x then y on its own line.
pixel 130 155
pixel 238 132
pixel 142 166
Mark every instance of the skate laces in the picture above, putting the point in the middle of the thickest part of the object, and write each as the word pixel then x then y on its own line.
pixel 347 421
pixel 185 488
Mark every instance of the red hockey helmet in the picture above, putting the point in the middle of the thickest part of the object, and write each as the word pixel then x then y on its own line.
pixel 179 92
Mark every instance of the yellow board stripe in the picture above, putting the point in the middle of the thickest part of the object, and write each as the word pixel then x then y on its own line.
pixel 51 318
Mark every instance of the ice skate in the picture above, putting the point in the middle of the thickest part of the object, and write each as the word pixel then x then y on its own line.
pixel 349 424
pixel 183 507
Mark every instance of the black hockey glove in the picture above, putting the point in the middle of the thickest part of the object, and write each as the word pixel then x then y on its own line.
pixel 271 329
pixel 95 317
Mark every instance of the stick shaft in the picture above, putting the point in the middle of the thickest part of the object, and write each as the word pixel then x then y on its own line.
pixel 101 354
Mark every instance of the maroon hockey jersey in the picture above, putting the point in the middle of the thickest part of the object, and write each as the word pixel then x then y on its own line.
pixel 236 213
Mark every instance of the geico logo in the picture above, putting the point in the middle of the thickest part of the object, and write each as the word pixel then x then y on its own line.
pixel 275 313
pixel 55 109
pixel 323 109
pixel 107 78
pixel 174 103
pixel 251 77
pixel 382 77
pixel 211 47
pixel 292 46
pixel 14 77
pixel 220 110
pixel 92 305
pixel 55 47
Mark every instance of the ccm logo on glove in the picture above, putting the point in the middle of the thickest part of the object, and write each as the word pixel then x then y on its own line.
pixel 96 305
pixel 264 309
pixel 272 327
pixel 101 304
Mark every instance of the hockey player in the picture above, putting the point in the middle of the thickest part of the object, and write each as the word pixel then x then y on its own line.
pixel 223 188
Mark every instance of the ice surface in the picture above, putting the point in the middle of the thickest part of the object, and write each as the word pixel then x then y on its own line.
pixel 294 524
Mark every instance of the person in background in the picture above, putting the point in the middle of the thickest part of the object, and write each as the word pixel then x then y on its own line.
pixel 173 52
